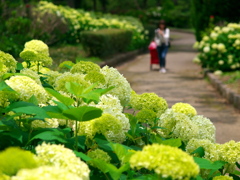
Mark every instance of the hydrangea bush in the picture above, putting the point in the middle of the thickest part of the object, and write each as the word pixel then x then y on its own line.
pixel 220 49
pixel 79 20
pixel 87 123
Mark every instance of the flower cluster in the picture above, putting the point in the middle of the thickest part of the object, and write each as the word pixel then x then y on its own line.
pixel 27 87
pixel 69 77
pixel 169 162
pixel 13 159
pixel 220 49
pixel 63 158
pixel 111 105
pixel 223 178
pixel 179 125
pixel 184 108
pixel 148 101
pixel 47 123
pixel 36 51
pixel 45 172
pixel 122 88
pixel 228 152
pixel 99 154
pixel 32 74
pixel 7 63
pixel 107 125
pixel 84 67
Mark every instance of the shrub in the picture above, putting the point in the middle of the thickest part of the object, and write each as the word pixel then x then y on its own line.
pixel 220 49
pixel 106 41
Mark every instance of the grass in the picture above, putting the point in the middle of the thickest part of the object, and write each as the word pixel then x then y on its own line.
pixel 232 80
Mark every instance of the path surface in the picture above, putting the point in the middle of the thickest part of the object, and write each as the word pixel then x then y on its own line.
pixel 184 82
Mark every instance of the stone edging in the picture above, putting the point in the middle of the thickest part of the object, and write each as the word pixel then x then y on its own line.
pixel 120 58
pixel 226 92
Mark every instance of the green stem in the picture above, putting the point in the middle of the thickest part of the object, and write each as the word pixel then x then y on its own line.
pixel 76 137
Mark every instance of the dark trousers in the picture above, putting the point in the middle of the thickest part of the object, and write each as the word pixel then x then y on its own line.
pixel 162 52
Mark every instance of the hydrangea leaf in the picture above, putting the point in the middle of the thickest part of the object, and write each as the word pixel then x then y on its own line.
pixel 65 100
pixel 50 136
pixel 33 100
pixel 82 156
pixel 200 151
pixel 172 142
pixel 74 88
pixel 5 87
pixel 207 164
pixel 19 66
pixel 83 113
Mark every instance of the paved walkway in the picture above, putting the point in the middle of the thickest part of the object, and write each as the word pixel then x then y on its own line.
pixel 184 82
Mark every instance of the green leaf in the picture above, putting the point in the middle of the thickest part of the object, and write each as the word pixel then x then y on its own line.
pixel 5 87
pixel 91 96
pixel 236 172
pixel 199 178
pixel 67 66
pixel 50 136
pixel 83 113
pixel 200 151
pixel 63 99
pixel 28 108
pixel 61 105
pixel 206 164
pixel 19 66
pixel 33 100
pixel 103 144
pixel 172 142
pixel 157 127
pixel 122 152
pixel 147 177
pixel 74 88
pixel 82 156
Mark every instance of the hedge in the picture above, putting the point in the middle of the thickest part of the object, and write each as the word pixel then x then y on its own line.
pixel 105 42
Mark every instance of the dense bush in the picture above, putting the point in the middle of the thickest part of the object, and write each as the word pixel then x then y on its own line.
pixel 105 42
pixel 221 10
pixel 220 49
pixel 79 20
pixel 72 125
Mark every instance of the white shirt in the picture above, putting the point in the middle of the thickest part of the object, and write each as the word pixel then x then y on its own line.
pixel 158 38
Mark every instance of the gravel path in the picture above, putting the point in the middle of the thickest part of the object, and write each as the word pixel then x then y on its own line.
pixel 184 82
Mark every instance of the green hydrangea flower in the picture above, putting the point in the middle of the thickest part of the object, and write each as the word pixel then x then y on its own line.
pixel 111 105
pixel 32 74
pixel 147 116
pixel 206 128
pixel 210 149
pixel 13 159
pixel 230 152
pixel 96 77
pixel 69 77
pixel 148 101
pixel 99 154
pixel 166 161
pixel 7 63
pixel 184 108
pixel 51 77
pixel 107 125
pixel 47 123
pixel 223 178
pixel 26 87
pixel 66 63
pixel 47 172
pixel 61 157
pixel 6 97
pixel 84 67
pixel 38 46
pixel 177 125
pixel 122 88
pixel 36 51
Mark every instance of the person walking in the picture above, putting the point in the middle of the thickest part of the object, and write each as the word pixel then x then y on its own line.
pixel 161 38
